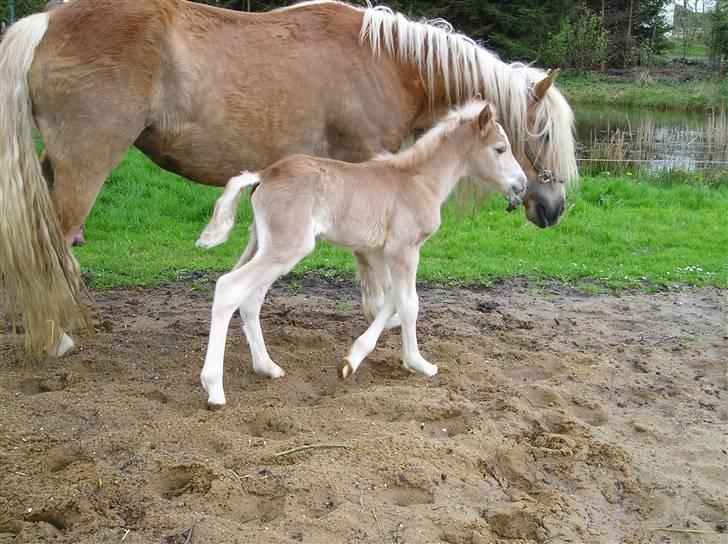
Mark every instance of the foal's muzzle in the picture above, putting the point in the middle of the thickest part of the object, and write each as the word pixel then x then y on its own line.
pixel 517 193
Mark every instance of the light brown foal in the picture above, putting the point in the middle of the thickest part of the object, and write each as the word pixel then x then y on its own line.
pixel 383 209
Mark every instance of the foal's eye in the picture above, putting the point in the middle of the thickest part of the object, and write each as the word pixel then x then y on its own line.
pixel 500 150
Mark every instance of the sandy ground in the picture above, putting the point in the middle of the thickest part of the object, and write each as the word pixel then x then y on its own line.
pixel 557 416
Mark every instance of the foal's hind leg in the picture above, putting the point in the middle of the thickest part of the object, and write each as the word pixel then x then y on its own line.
pixel 245 288
pixel 250 249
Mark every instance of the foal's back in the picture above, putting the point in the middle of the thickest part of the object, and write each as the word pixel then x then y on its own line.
pixel 354 205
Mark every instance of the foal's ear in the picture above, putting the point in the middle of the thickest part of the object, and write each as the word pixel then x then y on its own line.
pixel 484 118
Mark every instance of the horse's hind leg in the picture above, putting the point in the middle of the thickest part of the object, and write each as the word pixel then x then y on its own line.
pixel 81 150
pixel 85 135
pixel 77 181
pixel 47 168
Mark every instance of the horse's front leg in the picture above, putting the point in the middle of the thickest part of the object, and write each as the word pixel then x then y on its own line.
pixel 404 273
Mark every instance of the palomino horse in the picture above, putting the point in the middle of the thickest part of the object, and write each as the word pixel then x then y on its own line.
pixel 204 92
pixel 383 209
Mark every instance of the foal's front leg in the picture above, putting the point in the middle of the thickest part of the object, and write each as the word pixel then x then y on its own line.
pixel 372 291
pixel 365 344
pixel 404 274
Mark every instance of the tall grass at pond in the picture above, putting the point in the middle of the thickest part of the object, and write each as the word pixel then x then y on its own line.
pixel 701 150
pixel 617 232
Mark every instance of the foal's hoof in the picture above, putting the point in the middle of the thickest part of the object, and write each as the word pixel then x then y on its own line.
pixel 214 406
pixel 345 370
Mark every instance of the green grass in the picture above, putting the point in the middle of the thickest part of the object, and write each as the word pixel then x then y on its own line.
pixel 617 233
pixel 695 50
pixel 666 94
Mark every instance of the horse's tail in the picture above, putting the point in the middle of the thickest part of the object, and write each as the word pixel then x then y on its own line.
pixel 223 218
pixel 38 273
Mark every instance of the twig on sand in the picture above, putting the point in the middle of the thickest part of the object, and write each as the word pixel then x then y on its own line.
pixel 190 531
pixel 663 340
pixel 126 533
pixel 690 531
pixel 316 447
pixel 379 527
pixel 187 534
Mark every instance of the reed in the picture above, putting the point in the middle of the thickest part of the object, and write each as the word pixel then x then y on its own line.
pixel 646 149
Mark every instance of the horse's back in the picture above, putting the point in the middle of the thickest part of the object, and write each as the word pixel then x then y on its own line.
pixel 210 91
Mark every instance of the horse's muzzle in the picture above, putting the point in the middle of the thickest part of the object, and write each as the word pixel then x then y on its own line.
pixel 544 214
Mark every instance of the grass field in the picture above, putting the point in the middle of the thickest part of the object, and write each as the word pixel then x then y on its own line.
pixel 618 232
pixel 665 94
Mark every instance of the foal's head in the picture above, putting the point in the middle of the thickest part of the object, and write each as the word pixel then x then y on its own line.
pixel 491 159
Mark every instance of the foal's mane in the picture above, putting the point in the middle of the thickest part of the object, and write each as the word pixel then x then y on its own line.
pixel 430 142
pixel 468 69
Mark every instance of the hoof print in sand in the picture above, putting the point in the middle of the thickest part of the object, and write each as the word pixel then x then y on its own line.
pixel 406 495
pixel 182 480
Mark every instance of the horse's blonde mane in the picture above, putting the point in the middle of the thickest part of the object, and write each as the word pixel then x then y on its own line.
pixel 430 142
pixel 307 3
pixel 468 69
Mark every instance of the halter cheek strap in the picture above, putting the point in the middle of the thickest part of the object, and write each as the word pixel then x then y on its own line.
pixel 544 175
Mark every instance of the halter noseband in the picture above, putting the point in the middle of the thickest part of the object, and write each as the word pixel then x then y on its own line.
pixel 544 175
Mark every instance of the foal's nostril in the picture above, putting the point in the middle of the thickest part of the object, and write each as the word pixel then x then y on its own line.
pixel 520 185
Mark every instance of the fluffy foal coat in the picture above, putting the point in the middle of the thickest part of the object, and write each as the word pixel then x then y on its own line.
pixel 383 209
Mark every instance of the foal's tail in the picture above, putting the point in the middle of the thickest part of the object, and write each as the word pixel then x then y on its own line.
pixel 38 274
pixel 223 218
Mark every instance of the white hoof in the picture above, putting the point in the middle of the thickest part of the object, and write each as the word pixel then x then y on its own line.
pixel 66 346
pixel 214 390
pixel 423 367
pixel 215 400
pixel 393 322
pixel 269 369
pixel 346 370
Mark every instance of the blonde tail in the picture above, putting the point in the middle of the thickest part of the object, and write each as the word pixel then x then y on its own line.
pixel 38 274
pixel 223 218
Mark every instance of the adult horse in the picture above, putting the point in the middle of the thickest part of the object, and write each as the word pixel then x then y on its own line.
pixel 206 92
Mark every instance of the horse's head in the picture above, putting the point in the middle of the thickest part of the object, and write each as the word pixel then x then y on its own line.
pixel 547 154
pixel 491 158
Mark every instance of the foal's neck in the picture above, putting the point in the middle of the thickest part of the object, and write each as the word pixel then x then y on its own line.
pixel 446 164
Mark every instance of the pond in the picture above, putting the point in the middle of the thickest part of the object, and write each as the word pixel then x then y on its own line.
pixel 627 139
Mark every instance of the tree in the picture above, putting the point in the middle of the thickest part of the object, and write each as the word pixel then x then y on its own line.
pixel 719 36
pixel 580 44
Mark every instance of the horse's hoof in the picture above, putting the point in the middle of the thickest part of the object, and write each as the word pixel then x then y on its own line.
pixel 345 370
pixel 66 346
pixel 214 406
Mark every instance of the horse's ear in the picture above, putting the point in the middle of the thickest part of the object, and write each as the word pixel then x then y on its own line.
pixel 484 118
pixel 539 90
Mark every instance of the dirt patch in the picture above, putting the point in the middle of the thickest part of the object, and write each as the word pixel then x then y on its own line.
pixel 556 417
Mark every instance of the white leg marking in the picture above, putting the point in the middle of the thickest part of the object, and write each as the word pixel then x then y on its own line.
pixel 66 346
pixel 404 273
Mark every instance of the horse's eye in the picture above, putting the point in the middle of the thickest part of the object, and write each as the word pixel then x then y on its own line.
pixel 500 150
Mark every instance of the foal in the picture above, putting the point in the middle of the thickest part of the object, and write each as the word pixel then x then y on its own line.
pixel 383 209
